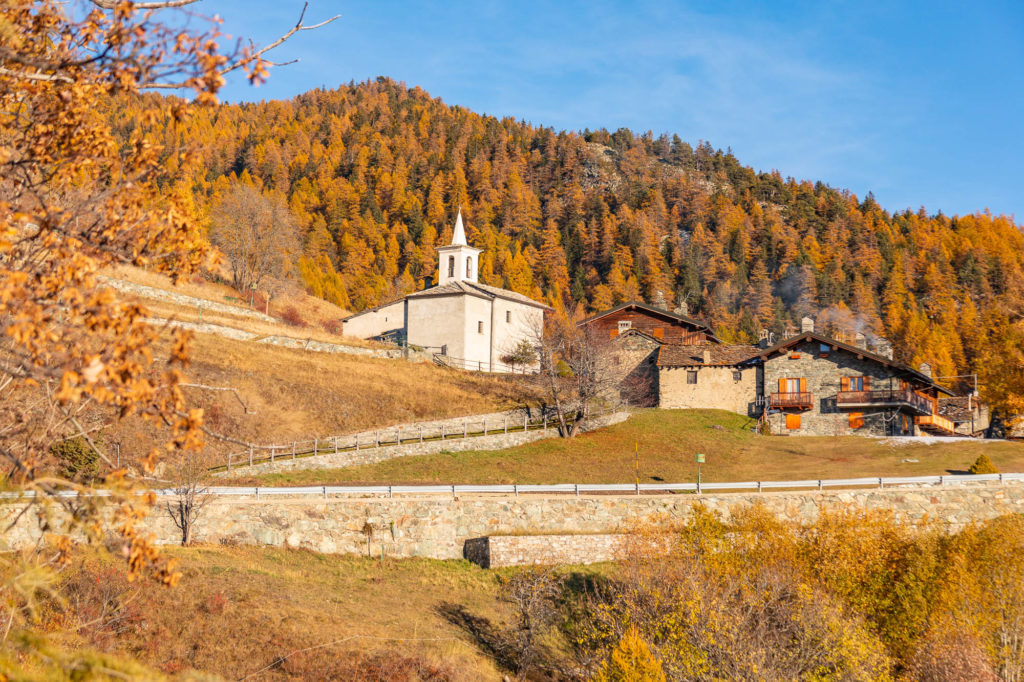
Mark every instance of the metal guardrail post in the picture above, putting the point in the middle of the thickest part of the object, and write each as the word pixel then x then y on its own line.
pixel 819 484
pixel 759 486
pixel 453 493
pixel 577 486
pixel 940 480
pixel 515 489
pixel 325 492
pixel 390 495
pixel 638 489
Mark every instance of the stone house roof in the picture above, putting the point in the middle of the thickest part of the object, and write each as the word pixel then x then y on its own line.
pixel 721 355
pixel 881 359
pixel 958 408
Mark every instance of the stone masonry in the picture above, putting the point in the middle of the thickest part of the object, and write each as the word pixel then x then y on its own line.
pixel 497 551
pixel 439 527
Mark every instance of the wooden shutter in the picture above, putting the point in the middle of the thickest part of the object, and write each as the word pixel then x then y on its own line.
pixel 782 386
pixel 803 385
pixel 856 420
pixel 612 333
pixel 867 383
pixel 659 333
pixel 844 384
pixel 792 421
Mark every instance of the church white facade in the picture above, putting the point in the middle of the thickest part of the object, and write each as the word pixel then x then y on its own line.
pixel 472 325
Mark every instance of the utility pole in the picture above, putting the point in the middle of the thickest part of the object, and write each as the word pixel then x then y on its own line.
pixel 700 460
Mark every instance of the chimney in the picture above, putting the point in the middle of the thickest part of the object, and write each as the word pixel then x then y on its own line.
pixel 806 325
pixel 707 357
pixel 659 300
pixel 762 338
pixel 926 369
pixel 884 349
pixel 860 341
pixel 682 309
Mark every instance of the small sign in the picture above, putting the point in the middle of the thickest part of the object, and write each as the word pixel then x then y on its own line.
pixel 700 458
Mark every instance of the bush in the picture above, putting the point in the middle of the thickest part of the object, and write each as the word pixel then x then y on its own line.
pixel 631 661
pixel 77 460
pixel 331 326
pixel 292 316
pixel 983 465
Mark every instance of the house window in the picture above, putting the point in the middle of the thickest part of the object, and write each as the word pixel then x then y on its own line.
pixel 508 316
pixel 792 421
pixel 737 375
pixel 855 384
pixel 469 267
pixel 624 325
pixel 451 266
pixel 823 350
pixel 691 376
pixel 791 385
pixel 480 327
pixel 856 420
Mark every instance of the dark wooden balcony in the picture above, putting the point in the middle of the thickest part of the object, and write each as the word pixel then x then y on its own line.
pixel 800 401
pixel 897 397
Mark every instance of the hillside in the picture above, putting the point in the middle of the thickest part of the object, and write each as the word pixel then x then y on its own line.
pixel 375 171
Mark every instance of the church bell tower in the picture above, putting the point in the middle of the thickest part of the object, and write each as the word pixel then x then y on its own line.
pixel 457 262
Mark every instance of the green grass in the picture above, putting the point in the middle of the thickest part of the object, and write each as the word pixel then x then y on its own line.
pixel 667 441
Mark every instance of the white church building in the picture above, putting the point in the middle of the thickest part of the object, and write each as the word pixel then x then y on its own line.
pixel 471 325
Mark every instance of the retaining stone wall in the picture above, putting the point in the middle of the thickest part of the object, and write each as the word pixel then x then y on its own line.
pixel 497 551
pixel 371 454
pixel 182 299
pixel 439 527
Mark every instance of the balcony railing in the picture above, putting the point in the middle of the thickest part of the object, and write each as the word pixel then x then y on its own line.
pixel 792 400
pixel 899 396
pixel 935 422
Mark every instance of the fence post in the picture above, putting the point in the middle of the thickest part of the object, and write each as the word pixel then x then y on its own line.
pixel 229 461
pixel 335 445
pixel 399 439
pixel 293 449
pixel 376 439
pixel 545 421
pixel 250 454
pixel 526 420
pixel 442 431
pixel 315 444
pixel 421 433
pixel 465 428
pixel 506 423
pixel 485 427
pixel 271 454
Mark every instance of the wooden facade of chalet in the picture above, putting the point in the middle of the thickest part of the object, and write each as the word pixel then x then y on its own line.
pixel 659 324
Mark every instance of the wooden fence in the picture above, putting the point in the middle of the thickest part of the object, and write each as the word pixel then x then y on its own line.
pixel 398 435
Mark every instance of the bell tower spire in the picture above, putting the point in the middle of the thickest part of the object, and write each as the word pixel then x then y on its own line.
pixel 457 262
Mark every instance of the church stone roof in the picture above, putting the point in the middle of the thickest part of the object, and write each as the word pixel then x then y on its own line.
pixel 476 289
pixel 722 355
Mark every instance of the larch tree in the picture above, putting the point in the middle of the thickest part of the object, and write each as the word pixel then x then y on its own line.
pixel 74 198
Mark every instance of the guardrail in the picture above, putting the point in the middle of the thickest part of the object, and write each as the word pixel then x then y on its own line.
pixel 397 435
pixel 578 488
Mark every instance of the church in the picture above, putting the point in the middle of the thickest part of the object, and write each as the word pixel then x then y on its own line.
pixel 468 324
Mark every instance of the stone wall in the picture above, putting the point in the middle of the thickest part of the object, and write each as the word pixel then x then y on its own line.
pixel 182 299
pixel 498 551
pixel 439 527
pixel 716 388
pixel 371 454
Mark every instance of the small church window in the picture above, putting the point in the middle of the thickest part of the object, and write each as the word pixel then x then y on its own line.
pixel 737 375
pixel 480 327
pixel 469 267
pixel 624 325
pixel 451 266
pixel 508 316
pixel 691 376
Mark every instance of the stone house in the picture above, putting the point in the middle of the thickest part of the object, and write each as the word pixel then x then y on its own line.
pixel 815 385
pixel 717 376
pixel 633 333
pixel 465 323
pixel 969 415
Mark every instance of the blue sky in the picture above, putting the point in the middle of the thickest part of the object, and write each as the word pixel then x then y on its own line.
pixel 920 102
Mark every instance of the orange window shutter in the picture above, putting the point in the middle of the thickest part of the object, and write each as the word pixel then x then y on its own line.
pixel 659 333
pixel 856 420
pixel 803 385
pixel 792 421
pixel 612 333
pixel 782 386
pixel 844 384
pixel 867 383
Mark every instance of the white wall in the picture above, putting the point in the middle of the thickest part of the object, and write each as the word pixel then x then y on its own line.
pixel 438 321
pixel 370 324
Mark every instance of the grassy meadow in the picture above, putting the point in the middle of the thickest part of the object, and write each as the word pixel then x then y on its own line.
pixel 667 441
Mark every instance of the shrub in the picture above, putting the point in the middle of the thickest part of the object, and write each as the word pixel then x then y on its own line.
pixel 331 326
pixel 983 465
pixel 77 459
pixel 292 316
pixel 631 661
